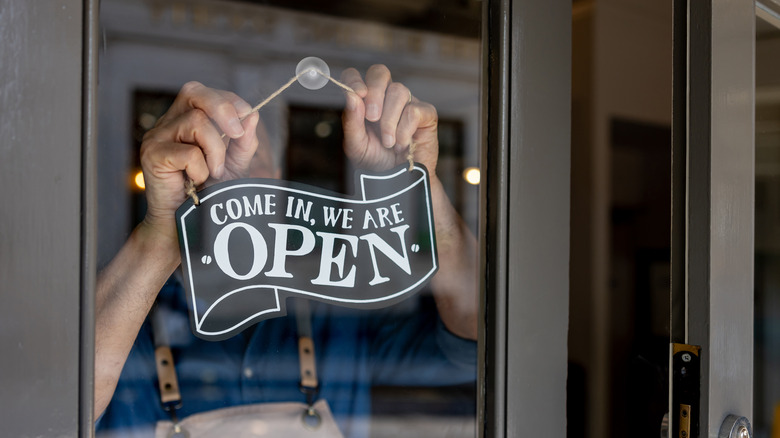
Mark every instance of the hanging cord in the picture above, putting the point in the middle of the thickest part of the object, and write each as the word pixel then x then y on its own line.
pixel 189 186
pixel 410 155
pixel 191 191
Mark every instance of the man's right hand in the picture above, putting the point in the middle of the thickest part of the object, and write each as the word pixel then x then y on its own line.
pixel 187 142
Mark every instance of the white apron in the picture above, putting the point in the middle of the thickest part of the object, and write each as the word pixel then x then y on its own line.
pixel 289 420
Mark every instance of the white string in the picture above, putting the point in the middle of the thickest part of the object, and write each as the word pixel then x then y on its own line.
pixel 287 85
pixel 189 185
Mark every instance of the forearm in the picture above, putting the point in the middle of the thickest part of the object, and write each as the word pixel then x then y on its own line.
pixel 455 285
pixel 126 290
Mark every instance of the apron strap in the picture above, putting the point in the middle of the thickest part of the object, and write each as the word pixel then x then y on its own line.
pixel 170 396
pixel 306 357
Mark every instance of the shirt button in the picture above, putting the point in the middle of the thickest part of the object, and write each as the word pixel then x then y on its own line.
pixel 248 372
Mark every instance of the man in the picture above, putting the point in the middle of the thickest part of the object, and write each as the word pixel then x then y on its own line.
pixel 381 119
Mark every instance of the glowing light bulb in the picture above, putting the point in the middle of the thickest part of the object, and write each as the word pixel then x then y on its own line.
pixel 313 73
pixel 471 175
pixel 139 180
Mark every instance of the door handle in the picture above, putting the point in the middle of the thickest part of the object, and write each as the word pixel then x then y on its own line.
pixel 735 427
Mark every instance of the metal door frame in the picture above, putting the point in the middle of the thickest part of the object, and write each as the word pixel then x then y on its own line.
pixel 713 201
pixel 525 259
pixel 47 219
pixel 89 215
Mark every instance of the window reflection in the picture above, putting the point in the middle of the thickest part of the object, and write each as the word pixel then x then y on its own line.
pixel 766 387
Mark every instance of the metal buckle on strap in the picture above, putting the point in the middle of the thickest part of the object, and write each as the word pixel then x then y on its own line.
pixel 170 396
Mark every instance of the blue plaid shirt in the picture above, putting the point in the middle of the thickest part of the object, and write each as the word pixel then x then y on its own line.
pixel 406 344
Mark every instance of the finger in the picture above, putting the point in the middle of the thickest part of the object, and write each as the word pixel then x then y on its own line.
pixel 352 78
pixel 377 80
pixel 353 117
pixel 194 127
pixel 396 98
pixel 417 116
pixel 167 160
pixel 243 109
pixel 219 105
pixel 262 163
pixel 354 126
pixel 241 150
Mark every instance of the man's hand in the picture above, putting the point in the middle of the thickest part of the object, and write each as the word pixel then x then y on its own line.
pixel 187 142
pixel 382 118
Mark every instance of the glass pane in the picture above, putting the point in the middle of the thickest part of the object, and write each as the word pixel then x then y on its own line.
pixel 766 381
pixel 620 209
pixel 405 369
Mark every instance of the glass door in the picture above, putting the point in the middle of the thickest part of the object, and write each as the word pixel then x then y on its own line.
pixel 400 87
pixel 407 369
pixel 497 74
pixel 766 396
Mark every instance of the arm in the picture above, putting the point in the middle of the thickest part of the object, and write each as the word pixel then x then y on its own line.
pixel 455 285
pixel 185 143
pixel 381 120
pixel 126 289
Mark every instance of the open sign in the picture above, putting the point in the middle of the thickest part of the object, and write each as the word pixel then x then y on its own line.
pixel 252 243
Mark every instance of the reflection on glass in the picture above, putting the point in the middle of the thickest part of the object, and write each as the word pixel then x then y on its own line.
pixel 766 386
pixel 404 370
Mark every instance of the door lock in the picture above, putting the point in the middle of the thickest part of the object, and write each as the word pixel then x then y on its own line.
pixel 685 375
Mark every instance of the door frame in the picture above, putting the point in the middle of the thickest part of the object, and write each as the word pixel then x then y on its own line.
pixel 525 250
pixel 47 219
pixel 713 201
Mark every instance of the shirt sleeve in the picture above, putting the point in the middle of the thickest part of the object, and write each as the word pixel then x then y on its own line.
pixel 411 346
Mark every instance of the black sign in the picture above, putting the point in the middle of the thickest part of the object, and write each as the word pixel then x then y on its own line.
pixel 252 243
